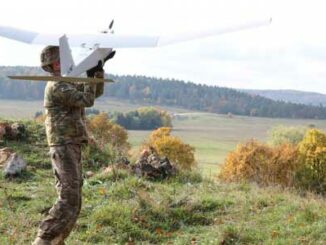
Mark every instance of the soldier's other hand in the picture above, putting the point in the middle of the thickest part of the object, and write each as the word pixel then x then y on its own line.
pixel 98 68
pixel 110 56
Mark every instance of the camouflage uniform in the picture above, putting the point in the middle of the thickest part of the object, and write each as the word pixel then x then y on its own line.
pixel 66 133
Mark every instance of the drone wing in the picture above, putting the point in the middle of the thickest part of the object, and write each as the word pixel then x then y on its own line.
pixel 119 41
pixel 80 40
pixel 62 79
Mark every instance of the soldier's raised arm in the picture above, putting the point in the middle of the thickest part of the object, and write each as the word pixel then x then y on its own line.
pixel 68 94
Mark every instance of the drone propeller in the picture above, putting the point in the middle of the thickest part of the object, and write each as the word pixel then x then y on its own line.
pixel 109 29
pixel 111 24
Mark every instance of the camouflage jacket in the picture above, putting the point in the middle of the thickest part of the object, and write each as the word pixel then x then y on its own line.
pixel 65 114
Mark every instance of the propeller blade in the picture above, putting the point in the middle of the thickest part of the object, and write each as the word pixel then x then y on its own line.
pixel 111 25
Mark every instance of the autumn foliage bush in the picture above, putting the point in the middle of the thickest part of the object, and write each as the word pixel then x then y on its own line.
pixel 302 166
pixel 258 162
pixel 312 149
pixel 106 132
pixel 108 141
pixel 172 147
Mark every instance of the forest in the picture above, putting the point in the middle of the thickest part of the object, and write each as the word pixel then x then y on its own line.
pixel 165 92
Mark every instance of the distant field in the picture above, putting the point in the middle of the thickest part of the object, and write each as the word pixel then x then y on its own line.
pixel 212 135
pixel 18 109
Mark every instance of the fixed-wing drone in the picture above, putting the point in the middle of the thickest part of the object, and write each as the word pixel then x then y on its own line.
pixel 102 45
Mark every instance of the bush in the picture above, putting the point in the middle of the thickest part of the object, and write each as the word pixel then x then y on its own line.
pixel 255 161
pixel 146 118
pixel 106 132
pixel 108 141
pixel 172 147
pixel 312 174
pixel 286 135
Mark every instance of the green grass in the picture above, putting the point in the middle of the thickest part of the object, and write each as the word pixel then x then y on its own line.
pixel 175 211
pixel 187 208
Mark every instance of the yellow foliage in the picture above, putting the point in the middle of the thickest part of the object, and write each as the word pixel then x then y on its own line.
pixel 255 161
pixel 313 159
pixel 172 147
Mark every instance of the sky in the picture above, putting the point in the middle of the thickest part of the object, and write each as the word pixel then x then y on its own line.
pixel 288 54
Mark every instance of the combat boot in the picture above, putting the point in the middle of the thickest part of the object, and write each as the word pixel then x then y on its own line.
pixel 40 241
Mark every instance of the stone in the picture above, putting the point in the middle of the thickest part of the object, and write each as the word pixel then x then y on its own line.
pixel 18 131
pixel 89 174
pixel 4 155
pixel 14 165
pixel 151 166
pixel 5 130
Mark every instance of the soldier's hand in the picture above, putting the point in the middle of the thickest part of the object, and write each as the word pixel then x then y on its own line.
pixel 98 69
pixel 99 74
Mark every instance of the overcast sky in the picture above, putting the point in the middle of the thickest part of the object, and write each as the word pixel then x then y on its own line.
pixel 288 54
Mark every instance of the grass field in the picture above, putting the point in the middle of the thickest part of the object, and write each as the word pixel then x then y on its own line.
pixel 18 109
pixel 191 208
pixel 212 135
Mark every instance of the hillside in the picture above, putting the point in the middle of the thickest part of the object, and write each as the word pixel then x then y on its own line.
pixel 187 95
pixel 294 96
pixel 120 208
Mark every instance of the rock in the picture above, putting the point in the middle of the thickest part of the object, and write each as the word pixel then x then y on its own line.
pixel 15 131
pixel 89 174
pixel 5 130
pixel 14 165
pixel 18 131
pixel 151 166
pixel 4 155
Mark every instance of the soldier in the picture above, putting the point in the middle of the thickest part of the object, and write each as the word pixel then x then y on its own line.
pixel 66 133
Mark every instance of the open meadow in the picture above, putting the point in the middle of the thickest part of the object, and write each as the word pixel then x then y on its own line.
pixel 212 135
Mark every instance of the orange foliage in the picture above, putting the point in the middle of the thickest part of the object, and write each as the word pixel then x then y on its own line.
pixel 106 132
pixel 254 161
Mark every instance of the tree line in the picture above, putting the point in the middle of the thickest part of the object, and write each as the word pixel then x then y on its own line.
pixel 157 91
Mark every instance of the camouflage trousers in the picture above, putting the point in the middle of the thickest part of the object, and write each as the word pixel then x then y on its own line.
pixel 67 168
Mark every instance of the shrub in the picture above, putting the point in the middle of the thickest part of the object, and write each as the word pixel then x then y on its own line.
pixel 312 174
pixel 106 132
pixel 146 118
pixel 172 147
pixel 109 141
pixel 286 135
pixel 255 161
